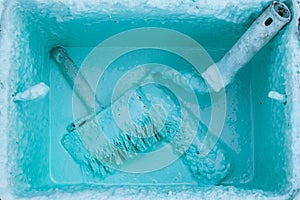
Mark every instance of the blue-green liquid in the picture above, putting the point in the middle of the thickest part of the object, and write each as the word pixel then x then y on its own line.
pixel 177 172
pixel 254 130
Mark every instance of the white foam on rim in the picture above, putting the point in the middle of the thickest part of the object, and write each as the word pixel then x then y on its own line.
pixel 276 96
pixel 37 91
pixel 294 100
pixel 218 192
pixel 6 45
pixel 227 10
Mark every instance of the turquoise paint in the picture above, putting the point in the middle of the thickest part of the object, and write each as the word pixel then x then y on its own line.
pixel 255 125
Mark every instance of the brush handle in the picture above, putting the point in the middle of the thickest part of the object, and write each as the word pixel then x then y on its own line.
pixel 75 79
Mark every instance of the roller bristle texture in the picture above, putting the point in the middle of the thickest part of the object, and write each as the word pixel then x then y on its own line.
pixel 209 169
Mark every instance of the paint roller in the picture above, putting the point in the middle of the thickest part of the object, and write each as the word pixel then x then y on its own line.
pixel 263 29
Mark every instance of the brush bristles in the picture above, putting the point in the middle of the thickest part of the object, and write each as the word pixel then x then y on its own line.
pixel 127 145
